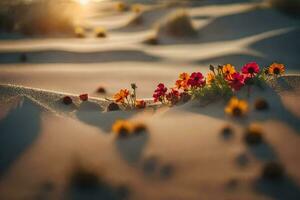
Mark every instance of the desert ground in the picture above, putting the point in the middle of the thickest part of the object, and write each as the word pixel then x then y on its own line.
pixel 183 155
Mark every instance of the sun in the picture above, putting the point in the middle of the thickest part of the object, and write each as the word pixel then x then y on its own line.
pixel 83 2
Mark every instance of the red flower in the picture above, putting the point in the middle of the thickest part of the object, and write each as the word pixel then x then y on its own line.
pixel 250 69
pixel 173 96
pixel 237 81
pixel 84 97
pixel 196 80
pixel 160 92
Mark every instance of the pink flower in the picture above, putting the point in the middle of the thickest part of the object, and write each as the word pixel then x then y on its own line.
pixel 250 69
pixel 237 81
pixel 196 80
pixel 173 96
pixel 160 92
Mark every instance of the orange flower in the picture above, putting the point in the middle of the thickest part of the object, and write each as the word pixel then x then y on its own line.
pixel 276 69
pixel 121 95
pixel 181 83
pixel 210 78
pixel 228 70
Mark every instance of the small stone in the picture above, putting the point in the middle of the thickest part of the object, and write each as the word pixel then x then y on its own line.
pixel 123 192
pixel 101 90
pixel 23 57
pixel 273 171
pixel 227 132
pixel 167 171
pixel 84 179
pixel 232 183
pixel 150 165
pixel 67 100
pixel 113 107
pixel 242 160
pixel 261 104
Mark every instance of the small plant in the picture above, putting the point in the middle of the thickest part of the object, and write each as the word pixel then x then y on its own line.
pixel 137 8
pixel 129 98
pixel 289 6
pixel 100 33
pixel 79 32
pixel 177 24
pixel 121 7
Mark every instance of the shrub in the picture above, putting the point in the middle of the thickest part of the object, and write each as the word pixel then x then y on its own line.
pixel 36 18
pixel 79 32
pixel 288 6
pixel 177 24
pixel 121 6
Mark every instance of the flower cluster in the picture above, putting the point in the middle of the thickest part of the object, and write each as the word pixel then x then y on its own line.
pixel 129 98
pixel 222 81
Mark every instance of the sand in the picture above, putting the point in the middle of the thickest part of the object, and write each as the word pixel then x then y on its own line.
pixel 183 156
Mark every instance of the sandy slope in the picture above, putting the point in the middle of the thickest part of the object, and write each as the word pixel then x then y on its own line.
pixel 191 159
pixel 183 156
pixel 224 37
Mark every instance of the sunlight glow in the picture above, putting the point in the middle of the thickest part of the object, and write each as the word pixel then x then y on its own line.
pixel 83 2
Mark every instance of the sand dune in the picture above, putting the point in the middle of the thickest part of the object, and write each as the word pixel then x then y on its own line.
pixel 189 158
pixel 44 143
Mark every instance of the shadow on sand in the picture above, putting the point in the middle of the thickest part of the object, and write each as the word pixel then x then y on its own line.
pixel 103 120
pixel 131 149
pixel 57 56
pixel 279 190
pixel 277 109
pixel 18 131
pixel 282 48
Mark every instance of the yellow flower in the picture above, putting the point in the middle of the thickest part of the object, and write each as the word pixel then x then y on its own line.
pixel 210 78
pixel 276 69
pixel 228 70
pixel 122 128
pixel 121 95
pixel 236 107
pixel 181 83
